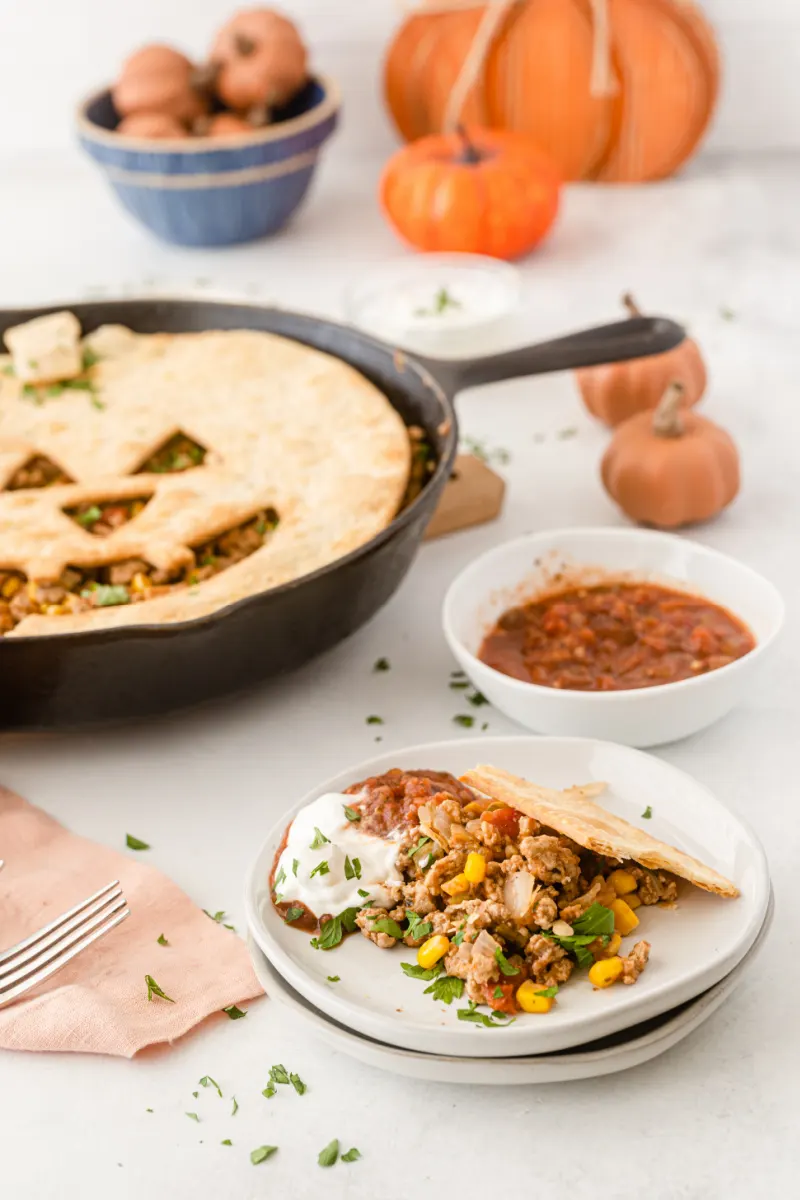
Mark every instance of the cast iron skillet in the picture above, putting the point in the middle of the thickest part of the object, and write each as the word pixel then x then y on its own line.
pixel 82 678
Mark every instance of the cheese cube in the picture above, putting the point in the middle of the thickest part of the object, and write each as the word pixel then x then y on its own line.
pixel 47 349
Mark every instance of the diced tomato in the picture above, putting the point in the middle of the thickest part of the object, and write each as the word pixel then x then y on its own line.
pixel 504 819
pixel 504 1003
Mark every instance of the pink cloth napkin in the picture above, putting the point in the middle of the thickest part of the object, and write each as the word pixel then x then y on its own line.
pixel 98 1002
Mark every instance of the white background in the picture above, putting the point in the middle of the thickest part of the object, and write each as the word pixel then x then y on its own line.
pixel 54 51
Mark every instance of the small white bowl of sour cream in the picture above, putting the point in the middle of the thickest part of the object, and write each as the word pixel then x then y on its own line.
pixel 541 564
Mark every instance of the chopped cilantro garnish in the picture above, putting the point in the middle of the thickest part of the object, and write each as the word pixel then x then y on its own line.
pixel 234 1012
pixel 98 404
pixel 352 868
pixel 459 685
pixel 334 978
pixel 414 971
pixel 498 993
pixel 382 664
pixel 329 1155
pixel 362 893
pixel 298 1084
pixel 503 963
pixel 352 814
pixel 464 719
pixel 105 595
pixel 279 879
pixel 207 1081
pixel 90 359
pixel 154 990
pixel 90 517
pixel 387 925
pixel 549 992
pixel 417 928
pixel 493 1021
pixel 458 674
pixel 423 841
pixel 162 941
pixel 446 989
pixel 476 699
pixel 279 1074
pixel 133 843
pixel 295 865
pixel 8 369
pixel 226 1142
pixel 293 914
pixel 351 1155
pixel 269 1091
pixel 217 916
pixel 319 840
pixel 321 868
pixel 235 1107
pixel 332 930
pixel 648 812
pixel 374 720
pixel 597 919
pixel 459 937
pixel 261 1154
pixel 193 1117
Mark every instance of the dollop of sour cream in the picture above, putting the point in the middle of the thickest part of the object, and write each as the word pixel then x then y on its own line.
pixel 370 861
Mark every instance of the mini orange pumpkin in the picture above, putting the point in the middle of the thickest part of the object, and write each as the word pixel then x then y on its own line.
pixel 261 60
pixel 671 467
pixel 617 391
pixel 487 193
pixel 152 125
pixel 223 125
pixel 158 79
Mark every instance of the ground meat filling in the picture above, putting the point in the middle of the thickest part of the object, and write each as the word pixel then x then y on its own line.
pixel 180 453
pixel 132 581
pixel 511 920
pixel 103 518
pixel 37 472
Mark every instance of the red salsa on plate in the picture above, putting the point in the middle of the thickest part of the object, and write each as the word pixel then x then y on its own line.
pixel 614 637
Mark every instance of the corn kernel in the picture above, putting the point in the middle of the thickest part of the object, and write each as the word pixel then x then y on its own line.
pixel 53 610
pixel 622 882
pixel 625 919
pixel 475 868
pixel 432 950
pixel 614 943
pixel 605 972
pixel 140 582
pixel 456 885
pixel 11 587
pixel 633 901
pixel 529 1001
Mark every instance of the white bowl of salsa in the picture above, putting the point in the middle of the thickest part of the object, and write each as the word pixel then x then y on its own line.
pixel 628 635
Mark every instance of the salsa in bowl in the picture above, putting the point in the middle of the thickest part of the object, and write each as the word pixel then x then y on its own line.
pixel 626 634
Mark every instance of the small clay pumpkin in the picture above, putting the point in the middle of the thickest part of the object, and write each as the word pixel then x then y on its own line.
pixel 617 391
pixel 152 125
pixel 260 59
pixel 671 467
pixel 225 125
pixel 158 79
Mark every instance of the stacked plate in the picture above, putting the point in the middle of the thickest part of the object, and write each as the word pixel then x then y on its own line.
pixel 358 1000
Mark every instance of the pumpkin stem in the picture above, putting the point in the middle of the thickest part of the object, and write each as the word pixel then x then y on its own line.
pixel 667 419
pixel 244 44
pixel 631 305
pixel 470 155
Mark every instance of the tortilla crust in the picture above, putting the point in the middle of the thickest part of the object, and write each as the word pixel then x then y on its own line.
pixel 575 815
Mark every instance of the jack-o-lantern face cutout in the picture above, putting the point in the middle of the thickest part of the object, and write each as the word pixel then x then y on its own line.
pixel 182 472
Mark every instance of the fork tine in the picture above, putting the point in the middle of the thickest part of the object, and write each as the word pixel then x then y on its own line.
pixel 11 974
pixel 55 924
pixel 7 997
pixel 13 962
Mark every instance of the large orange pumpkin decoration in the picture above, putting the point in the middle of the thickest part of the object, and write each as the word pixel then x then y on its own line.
pixel 484 193
pixel 617 90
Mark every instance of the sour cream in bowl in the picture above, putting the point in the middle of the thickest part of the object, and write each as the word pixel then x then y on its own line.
pixel 327 865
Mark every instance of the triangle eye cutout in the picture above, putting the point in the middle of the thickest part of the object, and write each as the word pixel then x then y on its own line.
pixel 38 472
pixel 178 453
pixel 102 517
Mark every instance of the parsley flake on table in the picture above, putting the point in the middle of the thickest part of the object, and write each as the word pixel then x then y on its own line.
pixel 382 664
pixel 193 1117
pixel 458 685
pixel 234 1012
pixel 352 814
pixel 351 1155
pixel 414 971
pixel 484 726
pixel 503 963
pixel 321 868
pixel 319 839
pixel 269 1091
pixel 417 928
pixel 235 1106
pixel 261 1154
pixel 298 1084
pixel 446 989
pixel 564 435
pixel 352 868
pixel 293 914
pixel 464 719
pixel 154 990
pixel 493 1021
pixel 195 1095
pixel 334 979
pixel 328 1156
pixel 148 1110
pixel 279 1074
pixel 207 1081
pixel 162 941
pixel 476 699
pixel 226 1142
pixel 374 720
pixel 648 812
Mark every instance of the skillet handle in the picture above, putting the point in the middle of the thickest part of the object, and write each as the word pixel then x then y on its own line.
pixel 637 337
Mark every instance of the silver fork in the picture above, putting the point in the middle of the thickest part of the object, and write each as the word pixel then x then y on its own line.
pixel 39 956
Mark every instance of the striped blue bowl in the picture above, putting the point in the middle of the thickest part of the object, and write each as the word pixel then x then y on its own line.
pixel 203 192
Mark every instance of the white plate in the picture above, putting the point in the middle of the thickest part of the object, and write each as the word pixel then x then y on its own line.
pixel 631 1048
pixel 694 945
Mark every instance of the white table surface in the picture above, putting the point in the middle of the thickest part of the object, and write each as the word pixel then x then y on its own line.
pixel 719 1114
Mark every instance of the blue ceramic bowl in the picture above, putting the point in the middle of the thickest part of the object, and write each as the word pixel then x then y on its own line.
pixel 214 192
